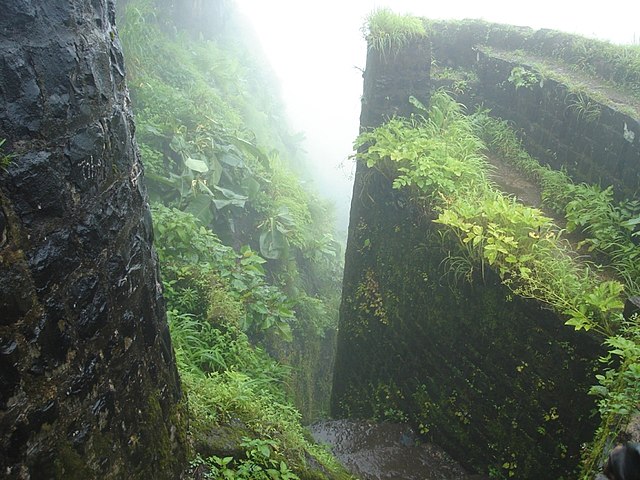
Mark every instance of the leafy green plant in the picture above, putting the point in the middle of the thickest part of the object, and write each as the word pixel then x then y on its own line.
pixel 522 77
pixel 387 32
pixel 617 387
pixel 195 265
pixel 451 147
pixel 518 242
pixel 261 463
pixel 137 33
pixel 617 392
pixel 219 162
pixel 521 244
pixel 609 227
pixel 274 243
pixel 440 158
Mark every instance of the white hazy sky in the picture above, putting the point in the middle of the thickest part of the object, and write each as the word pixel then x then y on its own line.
pixel 317 49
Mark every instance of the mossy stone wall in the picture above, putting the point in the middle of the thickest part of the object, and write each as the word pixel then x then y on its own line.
pixel 603 150
pixel 600 145
pixel 88 382
pixel 498 381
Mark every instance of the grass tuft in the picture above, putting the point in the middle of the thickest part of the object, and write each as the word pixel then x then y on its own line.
pixel 387 32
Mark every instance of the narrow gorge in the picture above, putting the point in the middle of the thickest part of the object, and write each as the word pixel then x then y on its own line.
pixel 175 300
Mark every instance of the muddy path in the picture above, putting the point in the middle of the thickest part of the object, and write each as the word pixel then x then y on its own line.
pixel 512 182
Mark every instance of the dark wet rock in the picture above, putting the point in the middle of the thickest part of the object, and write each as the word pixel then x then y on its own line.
pixel 3 229
pixel 223 440
pixel 16 294
pixel 88 383
pixel 37 173
pixel 9 375
pixel 386 451
pixel 631 307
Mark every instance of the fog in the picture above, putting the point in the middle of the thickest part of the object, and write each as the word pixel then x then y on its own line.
pixel 318 53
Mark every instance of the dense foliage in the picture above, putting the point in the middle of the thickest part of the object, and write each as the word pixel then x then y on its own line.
pixel 215 295
pixel 439 159
pixel 609 227
pixel 249 264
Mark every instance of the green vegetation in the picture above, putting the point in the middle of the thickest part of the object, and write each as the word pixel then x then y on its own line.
pixel 459 80
pixel 524 78
pixel 261 463
pixel 608 229
pixel 387 32
pixel 5 160
pixel 249 264
pixel 583 106
pixel 617 65
pixel 439 159
pixel 216 297
pixel 586 92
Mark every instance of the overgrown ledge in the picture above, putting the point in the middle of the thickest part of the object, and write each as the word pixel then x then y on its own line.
pixel 450 319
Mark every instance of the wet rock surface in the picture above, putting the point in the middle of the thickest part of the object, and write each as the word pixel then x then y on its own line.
pixel 386 451
pixel 88 383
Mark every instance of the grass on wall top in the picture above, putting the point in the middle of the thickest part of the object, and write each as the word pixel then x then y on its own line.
pixel 388 32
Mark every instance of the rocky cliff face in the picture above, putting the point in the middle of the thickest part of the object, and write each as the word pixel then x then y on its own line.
pixel 88 383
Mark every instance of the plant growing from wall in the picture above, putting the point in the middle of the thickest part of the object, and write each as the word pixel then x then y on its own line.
pixel 441 160
pixel 616 65
pixel 609 230
pixel 609 227
pixel 522 77
pixel 370 299
pixel 583 106
pixel 5 159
